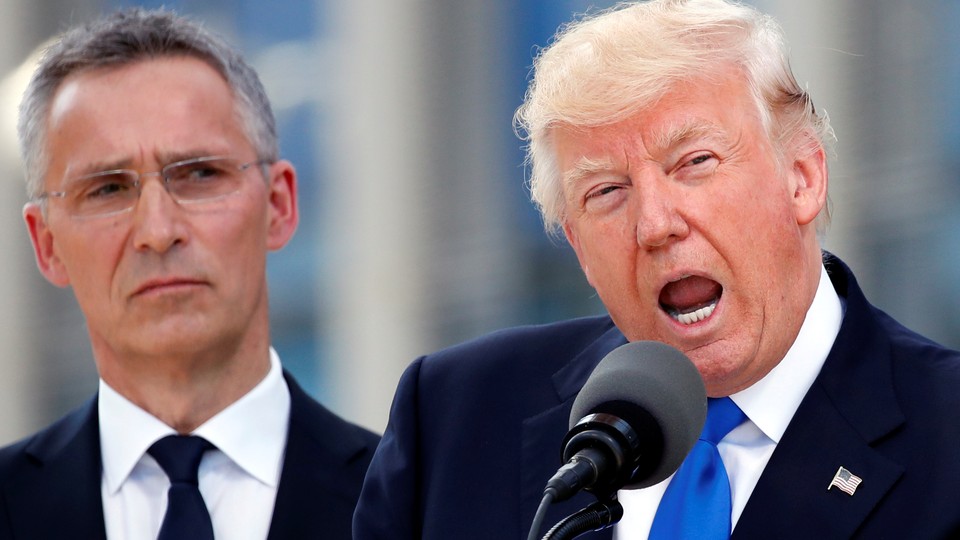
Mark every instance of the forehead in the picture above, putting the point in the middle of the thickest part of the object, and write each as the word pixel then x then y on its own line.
pixel 194 73
pixel 138 111
pixel 713 110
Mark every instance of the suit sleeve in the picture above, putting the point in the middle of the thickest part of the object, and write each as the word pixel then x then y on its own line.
pixel 389 505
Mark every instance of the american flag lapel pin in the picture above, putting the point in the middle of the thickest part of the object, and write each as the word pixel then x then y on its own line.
pixel 845 481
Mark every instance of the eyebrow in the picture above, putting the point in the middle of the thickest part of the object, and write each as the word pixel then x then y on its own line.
pixel 671 136
pixel 585 167
pixel 163 158
pixel 94 167
pixel 166 158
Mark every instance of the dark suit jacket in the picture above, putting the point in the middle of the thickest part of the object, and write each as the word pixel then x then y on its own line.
pixel 50 482
pixel 475 433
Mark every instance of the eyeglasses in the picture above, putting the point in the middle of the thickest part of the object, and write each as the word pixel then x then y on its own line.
pixel 197 180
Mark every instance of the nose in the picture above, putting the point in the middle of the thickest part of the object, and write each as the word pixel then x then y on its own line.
pixel 157 218
pixel 659 220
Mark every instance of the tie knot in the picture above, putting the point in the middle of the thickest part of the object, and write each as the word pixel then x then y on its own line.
pixel 179 456
pixel 722 416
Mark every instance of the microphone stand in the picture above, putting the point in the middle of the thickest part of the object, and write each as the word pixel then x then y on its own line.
pixel 596 517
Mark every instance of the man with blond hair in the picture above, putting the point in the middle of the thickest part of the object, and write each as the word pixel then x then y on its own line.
pixel 672 146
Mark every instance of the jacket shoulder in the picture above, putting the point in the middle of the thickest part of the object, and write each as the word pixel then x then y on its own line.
pixel 48 443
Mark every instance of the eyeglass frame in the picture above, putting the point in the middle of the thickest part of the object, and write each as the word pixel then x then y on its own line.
pixel 164 178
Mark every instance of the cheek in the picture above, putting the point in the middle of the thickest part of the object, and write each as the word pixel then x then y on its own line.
pixel 243 221
pixel 609 258
pixel 89 261
pixel 93 280
pixel 749 219
pixel 241 240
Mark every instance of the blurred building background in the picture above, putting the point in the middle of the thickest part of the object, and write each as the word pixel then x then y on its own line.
pixel 416 227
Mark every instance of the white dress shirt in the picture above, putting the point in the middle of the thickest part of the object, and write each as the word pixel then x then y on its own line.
pixel 769 405
pixel 238 480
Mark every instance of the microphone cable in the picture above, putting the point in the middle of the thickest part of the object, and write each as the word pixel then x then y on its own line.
pixel 596 517
pixel 540 515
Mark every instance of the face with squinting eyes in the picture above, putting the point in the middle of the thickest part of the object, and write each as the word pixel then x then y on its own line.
pixel 691 230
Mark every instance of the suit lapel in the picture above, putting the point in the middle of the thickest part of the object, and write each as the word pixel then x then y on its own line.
pixel 57 492
pixel 320 480
pixel 792 496
pixel 851 406
pixel 543 432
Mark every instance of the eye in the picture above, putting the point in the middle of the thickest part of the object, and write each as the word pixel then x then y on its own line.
pixel 699 159
pixel 604 198
pixel 603 190
pixel 199 172
pixel 103 186
pixel 697 166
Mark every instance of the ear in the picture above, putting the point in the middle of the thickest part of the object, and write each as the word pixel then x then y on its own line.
pixel 571 233
pixel 283 213
pixel 809 171
pixel 44 247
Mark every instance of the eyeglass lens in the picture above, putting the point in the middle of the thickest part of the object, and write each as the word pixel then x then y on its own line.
pixel 195 180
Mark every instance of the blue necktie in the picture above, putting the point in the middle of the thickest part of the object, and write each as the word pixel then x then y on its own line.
pixel 697 501
pixel 187 516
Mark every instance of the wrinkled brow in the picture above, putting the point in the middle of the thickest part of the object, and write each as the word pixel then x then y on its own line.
pixel 673 135
pixel 585 167
pixel 164 158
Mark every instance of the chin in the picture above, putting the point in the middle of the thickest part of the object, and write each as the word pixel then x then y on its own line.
pixel 719 369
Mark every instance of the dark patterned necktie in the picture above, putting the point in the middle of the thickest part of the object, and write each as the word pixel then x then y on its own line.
pixel 187 516
pixel 697 501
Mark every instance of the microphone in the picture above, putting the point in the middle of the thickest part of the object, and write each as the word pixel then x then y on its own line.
pixel 633 422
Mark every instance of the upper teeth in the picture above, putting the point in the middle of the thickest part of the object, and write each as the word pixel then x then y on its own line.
pixel 696 316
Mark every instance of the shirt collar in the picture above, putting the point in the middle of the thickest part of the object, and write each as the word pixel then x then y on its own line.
pixel 127 431
pixel 771 402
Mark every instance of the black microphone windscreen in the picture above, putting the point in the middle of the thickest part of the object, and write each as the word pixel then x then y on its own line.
pixel 660 382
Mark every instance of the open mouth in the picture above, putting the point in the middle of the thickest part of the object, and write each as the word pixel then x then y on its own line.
pixel 690 299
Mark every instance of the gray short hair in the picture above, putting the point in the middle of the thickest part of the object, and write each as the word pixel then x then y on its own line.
pixel 129 36
pixel 606 67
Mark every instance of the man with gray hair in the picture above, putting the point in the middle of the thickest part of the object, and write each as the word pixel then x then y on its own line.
pixel 671 144
pixel 156 191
